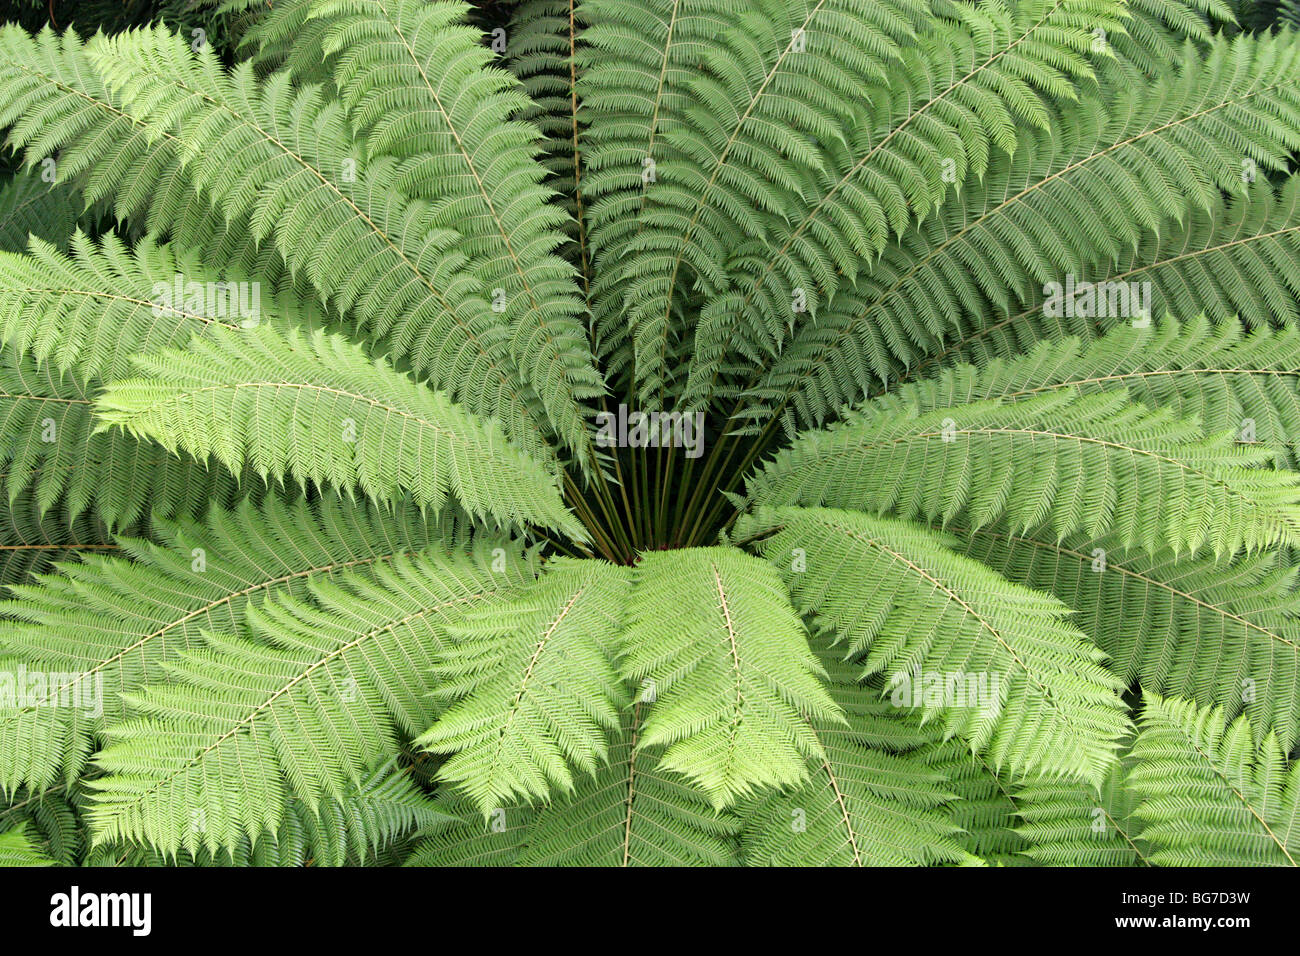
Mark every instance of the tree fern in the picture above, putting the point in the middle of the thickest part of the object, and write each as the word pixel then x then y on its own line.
pixel 663 435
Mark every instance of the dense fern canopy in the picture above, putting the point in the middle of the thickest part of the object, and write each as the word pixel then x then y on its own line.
pixel 652 432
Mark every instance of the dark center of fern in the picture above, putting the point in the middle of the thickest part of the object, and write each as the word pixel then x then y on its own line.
pixel 661 498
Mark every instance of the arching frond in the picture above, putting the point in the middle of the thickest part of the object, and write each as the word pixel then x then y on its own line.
pixel 629 813
pixel 320 409
pixel 1227 378
pixel 104 627
pixel 1208 796
pixel 1238 259
pixel 957 94
pixel 1069 824
pixel 531 687
pixel 995 662
pixel 419 86
pixel 1098 464
pixel 285 158
pixel 320 697
pixel 711 637
pixel 58 109
pixel 871 802
pixel 1125 163
pixel 1225 633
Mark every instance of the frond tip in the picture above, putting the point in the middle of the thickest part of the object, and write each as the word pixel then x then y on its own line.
pixel 319 408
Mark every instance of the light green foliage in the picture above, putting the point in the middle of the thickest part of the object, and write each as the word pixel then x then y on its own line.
pixel 1208 796
pixel 944 568
pixel 259 398
pixel 896 597
pixel 533 685
pixel 733 681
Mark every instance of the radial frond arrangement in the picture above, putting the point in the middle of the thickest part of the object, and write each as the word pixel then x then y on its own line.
pixel 652 433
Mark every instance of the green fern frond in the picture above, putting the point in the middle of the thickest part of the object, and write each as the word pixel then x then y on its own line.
pixel 995 662
pixel 864 805
pixel 320 409
pixel 17 849
pixel 34 538
pixel 985 804
pixel 285 158
pixel 109 623
pixel 1072 825
pixel 419 86
pixel 1153 149
pixel 977 73
pixel 1221 633
pixel 30 205
pixel 628 813
pixel 242 726
pixel 50 447
pixel 1097 464
pixel 1208 796
pixel 374 817
pixel 1227 378
pixel 531 687
pixel 51 819
pixel 1239 259
pixel 58 108
pixel 711 637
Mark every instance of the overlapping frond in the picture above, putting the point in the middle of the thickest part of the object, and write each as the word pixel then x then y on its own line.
pixel 541 49
pixel 30 205
pixel 871 802
pixel 531 687
pixel 958 94
pixel 711 640
pixel 363 828
pixel 996 662
pixel 50 447
pixel 1226 377
pixel 420 87
pixel 628 813
pixel 1207 795
pixel 1069 824
pixel 1223 633
pixel 33 539
pixel 1238 259
pixel 285 159
pixel 984 804
pixel 320 409
pixel 1111 170
pixel 58 110
pixel 17 849
pixel 104 627
pixel 684 166
pixel 1097 464
pixel 321 696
